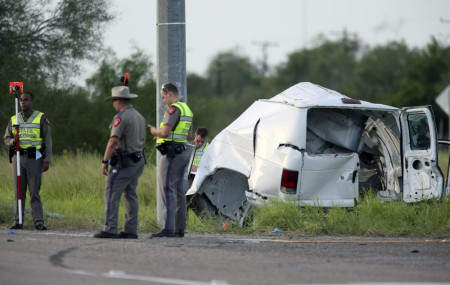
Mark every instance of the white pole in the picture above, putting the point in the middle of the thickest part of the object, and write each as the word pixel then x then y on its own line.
pixel 19 194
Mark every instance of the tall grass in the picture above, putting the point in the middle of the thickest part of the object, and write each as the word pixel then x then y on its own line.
pixel 369 218
pixel 72 193
pixel 73 189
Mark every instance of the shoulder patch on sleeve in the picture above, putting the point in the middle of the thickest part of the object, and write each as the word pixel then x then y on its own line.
pixel 47 121
pixel 117 121
pixel 172 110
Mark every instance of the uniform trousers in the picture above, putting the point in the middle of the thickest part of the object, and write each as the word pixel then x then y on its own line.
pixel 30 177
pixel 171 179
pixel 122 180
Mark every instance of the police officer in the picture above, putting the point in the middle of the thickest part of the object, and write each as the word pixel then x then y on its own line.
pixel 173 135
pixel 35 144
pixel 125 153
pixel 201 145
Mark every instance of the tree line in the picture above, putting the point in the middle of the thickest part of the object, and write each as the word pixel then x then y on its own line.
pixel 46 46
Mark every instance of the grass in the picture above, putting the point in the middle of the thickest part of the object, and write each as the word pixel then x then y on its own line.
pixel 73 189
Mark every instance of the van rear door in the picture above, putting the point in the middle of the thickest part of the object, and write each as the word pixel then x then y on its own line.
pixel 422 178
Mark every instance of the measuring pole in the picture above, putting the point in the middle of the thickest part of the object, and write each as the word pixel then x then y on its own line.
pixel 16 86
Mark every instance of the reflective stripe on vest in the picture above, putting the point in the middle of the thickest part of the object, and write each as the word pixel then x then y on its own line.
pixel 199 154
pixel 29 131
pixel 182 129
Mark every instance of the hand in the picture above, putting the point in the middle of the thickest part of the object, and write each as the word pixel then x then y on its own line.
pixel 105 169
pixel 150 128
pixel 45 166
pixel 16 138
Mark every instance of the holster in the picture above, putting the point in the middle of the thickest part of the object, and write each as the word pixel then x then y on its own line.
pixel 12 152
pixel 162 148
pixel 171 149
pixel 124 158
pixel 31 152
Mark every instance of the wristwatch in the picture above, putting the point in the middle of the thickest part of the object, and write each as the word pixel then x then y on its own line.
pixel 104 161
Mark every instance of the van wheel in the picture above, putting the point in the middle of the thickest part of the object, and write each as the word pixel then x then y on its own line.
pixel 201 205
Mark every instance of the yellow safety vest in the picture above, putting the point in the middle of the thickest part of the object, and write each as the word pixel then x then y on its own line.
pixel 199 154
pixel 29 131
pixel 182 129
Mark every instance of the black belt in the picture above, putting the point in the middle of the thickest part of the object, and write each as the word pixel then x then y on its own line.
pixel 182 145
pixel 26 151
pixel 135 153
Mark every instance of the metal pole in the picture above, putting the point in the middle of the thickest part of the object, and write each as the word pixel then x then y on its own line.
pixel 170 64
pixel 13 86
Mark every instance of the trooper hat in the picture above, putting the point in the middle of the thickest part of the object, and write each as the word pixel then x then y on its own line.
pixel 120 92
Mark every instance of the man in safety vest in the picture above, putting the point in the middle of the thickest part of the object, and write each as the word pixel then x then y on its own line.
pixel 173 134
pixel 35 144
pixel 200 147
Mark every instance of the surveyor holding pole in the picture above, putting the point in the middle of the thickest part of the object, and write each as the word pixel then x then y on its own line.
pixel 33 136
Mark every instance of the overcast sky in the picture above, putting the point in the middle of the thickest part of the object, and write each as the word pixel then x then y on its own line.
pixel 285 25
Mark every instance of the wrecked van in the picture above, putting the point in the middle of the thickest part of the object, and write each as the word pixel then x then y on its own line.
pixel 315 146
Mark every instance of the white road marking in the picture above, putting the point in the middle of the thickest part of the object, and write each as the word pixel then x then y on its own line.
pixel 117 274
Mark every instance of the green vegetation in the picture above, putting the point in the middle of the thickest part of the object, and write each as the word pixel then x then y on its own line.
pixel 73 189
pixel 369 218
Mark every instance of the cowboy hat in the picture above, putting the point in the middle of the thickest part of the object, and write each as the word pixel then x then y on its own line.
pixel 120 92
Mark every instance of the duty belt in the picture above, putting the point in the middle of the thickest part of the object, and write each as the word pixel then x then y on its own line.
pixel 27 151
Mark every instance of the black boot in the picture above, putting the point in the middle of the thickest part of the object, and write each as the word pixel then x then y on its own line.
pixel 179 233
pixel 103 234
pixel 164 233
pixel 128 235
pixel 41 227
pixel 16 227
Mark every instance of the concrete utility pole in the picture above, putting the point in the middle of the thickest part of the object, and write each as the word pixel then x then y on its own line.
pixel 170 63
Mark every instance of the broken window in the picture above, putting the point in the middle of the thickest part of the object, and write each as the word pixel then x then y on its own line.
pixel 419 133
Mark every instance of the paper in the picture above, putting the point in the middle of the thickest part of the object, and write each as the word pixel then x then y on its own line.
pixel 38 154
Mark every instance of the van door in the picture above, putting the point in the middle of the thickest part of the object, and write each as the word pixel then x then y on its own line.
pixel 446 182
pixel 422 178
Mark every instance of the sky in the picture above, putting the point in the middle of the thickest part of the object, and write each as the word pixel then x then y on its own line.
pixel 214 26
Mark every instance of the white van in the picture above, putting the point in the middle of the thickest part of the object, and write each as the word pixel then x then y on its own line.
pixel 318 147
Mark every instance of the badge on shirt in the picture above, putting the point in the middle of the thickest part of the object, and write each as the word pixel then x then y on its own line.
pixel 172 110
pixel 117 121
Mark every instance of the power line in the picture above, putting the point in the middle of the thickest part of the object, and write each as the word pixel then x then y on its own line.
pixel 264 46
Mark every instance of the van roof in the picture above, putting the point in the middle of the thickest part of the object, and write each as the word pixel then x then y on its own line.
pixel 307 94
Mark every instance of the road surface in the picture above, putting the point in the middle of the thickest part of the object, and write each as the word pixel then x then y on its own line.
pixel 56 257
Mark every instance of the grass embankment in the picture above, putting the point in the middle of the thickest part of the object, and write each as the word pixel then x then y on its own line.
pixel 73 188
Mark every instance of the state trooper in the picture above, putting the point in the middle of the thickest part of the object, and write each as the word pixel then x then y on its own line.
pixel 125 153
pixel 173 134
pixel 35 144
pixel 201 145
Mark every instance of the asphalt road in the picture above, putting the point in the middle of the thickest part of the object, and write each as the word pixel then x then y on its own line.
pixel 52 257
